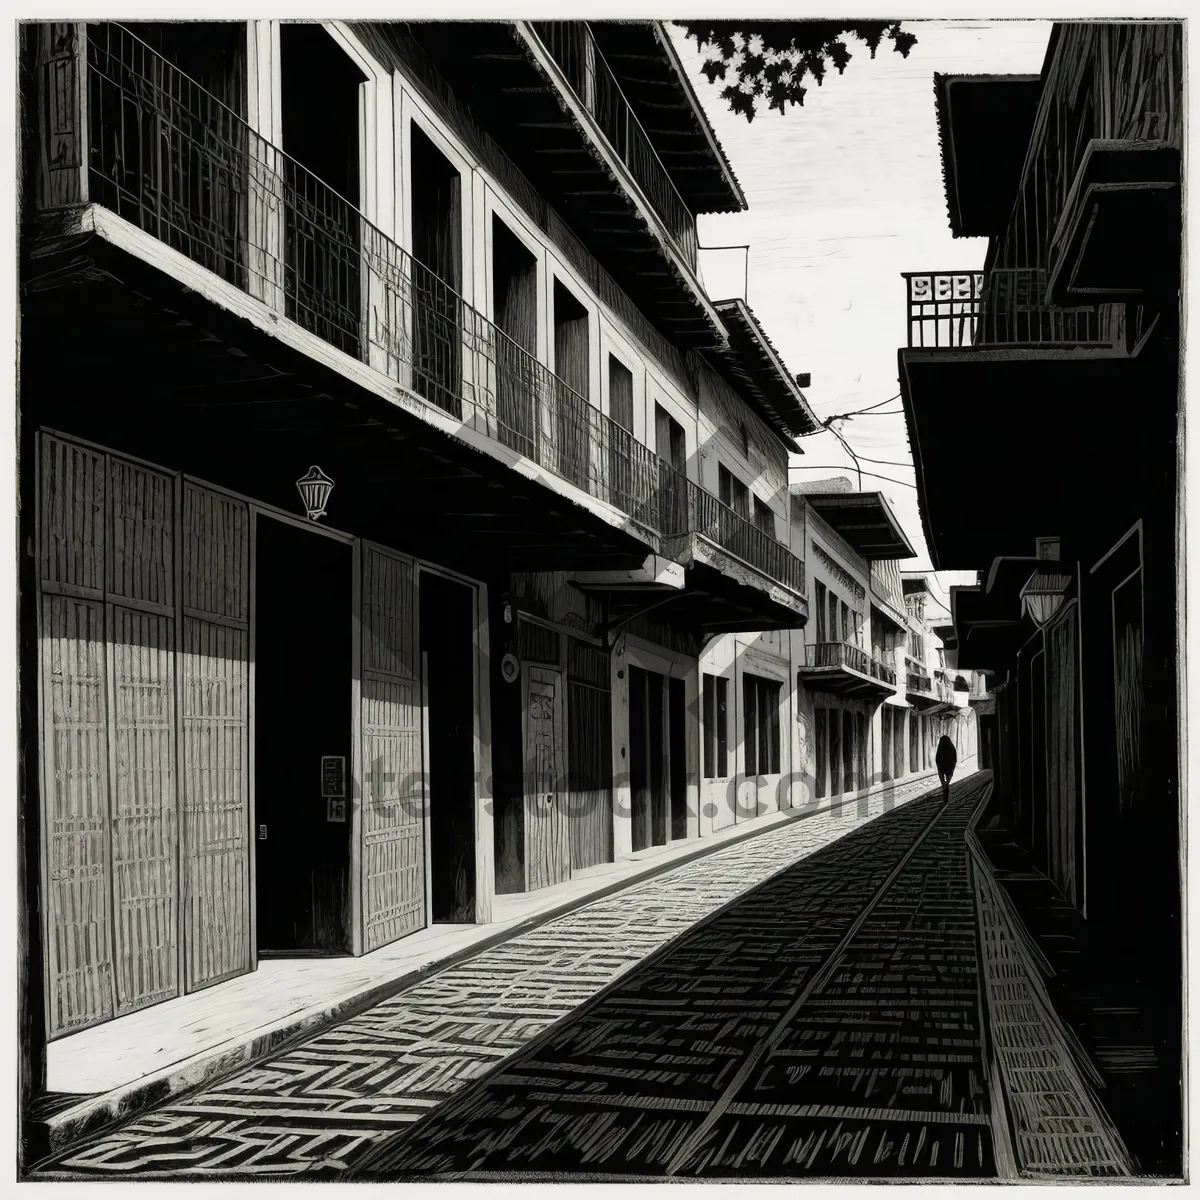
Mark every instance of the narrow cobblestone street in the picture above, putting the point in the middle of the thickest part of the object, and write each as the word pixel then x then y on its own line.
pixel 863 919
pixel 828 1024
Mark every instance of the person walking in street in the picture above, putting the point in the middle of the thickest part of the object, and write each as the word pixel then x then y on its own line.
pixel 946 760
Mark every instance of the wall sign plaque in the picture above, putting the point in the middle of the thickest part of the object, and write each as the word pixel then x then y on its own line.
pixel 333 777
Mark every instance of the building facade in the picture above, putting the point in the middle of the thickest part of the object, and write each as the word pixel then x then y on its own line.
pixel 848 706
pixel 1057 364
pixel 371 528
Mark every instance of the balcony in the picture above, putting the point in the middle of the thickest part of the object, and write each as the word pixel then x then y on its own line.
pixel 584 172
pixel 1005 308
pixel 986 361
pixel 687 510
pixel 921 691
pixel 574 50
pixel 170 159
pixel 844 669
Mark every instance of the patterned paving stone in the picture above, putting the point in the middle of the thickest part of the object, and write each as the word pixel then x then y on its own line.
pixel 877 1073
pixel 321 1107
pixel 1059 1126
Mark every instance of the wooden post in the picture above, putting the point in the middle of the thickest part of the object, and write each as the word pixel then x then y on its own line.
pixel 267 198
pixel 59 101
pixel 485 869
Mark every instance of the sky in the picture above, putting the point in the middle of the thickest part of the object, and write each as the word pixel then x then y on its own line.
pixel 844 194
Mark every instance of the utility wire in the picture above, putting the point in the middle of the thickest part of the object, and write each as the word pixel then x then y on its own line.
pixel 850 451
pixel 869 407
pixel 869 410
pixel 885 462
pixel 842 467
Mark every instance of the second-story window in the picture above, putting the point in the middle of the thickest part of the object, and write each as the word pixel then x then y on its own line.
pixel 572 358
pixel 572 364
pixel 669 441
pixel 514 287
pixel 732 492
pixel 319 106
pixel 620 393
pixel 764 518
pixel 436 193
pixel 514 305
pixel 819 591
pixel 623 478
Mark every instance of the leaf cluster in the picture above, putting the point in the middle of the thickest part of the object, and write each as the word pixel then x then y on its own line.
pixel 770 60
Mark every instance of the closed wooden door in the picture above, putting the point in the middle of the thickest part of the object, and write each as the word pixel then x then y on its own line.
pixel 589 755
pixel 547 843
pixel 214 736
pixel 110 832
pixel 75 786
pixel 393 827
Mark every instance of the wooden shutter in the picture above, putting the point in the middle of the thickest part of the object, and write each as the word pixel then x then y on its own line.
pixel 393 792
pixel 75 828
pixel 107 576
pixel 214 738
pixel 141 636
pixel 76 849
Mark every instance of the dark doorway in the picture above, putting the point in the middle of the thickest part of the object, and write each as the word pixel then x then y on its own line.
pixel 678 757
pixel 572 366
pixel 319 89
pixel 302 705
pixel 436 191
pixel 649 766
pixel 514 302
pixel 447 642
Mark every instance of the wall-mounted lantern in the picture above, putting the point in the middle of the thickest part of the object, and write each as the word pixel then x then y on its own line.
pixel 314 491
pixel 1043 595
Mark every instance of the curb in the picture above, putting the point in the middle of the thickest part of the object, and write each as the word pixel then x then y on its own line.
pixel 95 1113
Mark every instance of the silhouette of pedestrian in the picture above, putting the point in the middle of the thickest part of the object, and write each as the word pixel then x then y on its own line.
pixel 946 760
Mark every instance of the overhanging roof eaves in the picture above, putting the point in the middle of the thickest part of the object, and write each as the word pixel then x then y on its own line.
pixel 752 366
pixel 983 137
pixel 880 536
pixel 647 65
pixel 702 122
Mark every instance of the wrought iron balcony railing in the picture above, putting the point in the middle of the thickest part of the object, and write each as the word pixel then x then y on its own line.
pixel 847 654
pixel 574 49
pixel 922 685
pixel 686 508
pixel 171 159
pixel 1005 307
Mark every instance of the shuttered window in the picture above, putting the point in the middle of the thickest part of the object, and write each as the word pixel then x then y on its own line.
pixel 760 710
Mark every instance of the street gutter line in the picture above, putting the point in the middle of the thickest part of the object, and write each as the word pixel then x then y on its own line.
pixel 817 980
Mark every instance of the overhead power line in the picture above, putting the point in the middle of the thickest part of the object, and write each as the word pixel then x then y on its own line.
pixel 843 467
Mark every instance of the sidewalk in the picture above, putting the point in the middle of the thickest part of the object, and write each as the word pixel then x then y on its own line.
pixel 1048 1122
pixel 1117 1012
pixel 578 936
